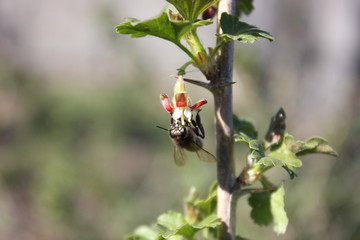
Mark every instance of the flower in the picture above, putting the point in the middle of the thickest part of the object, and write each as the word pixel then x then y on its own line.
pixel 180 108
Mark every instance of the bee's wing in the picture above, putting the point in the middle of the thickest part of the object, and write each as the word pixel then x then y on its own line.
pixel 179 156
pixel 203 155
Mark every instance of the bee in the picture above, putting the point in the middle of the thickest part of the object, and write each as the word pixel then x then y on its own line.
pixel 189 137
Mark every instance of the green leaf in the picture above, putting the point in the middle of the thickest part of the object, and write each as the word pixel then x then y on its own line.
pixel 255 145
pixel 160 26
pixel 211 221
pixel 244 6
pixel 257 155
pixel 197 208
pixel 278 211
pixel 267 207
pixel 269 161
pixel 143 233
pixel 260 208
pixel 244 126
pixel 283 156
pixel 171 220
pixel 233 29
pixel 256 148
pixel 314 145
pixel 287 157
pixel 190 9
pixel 213 188
pixel 242 137
pixel 173 223
pixel 208 205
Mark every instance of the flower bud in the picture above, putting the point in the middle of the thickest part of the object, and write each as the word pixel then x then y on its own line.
pixel 209 13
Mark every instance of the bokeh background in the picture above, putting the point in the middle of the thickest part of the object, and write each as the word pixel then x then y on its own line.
pixel 81 158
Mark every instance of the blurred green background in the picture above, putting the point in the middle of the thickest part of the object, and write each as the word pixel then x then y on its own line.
pixel 81 158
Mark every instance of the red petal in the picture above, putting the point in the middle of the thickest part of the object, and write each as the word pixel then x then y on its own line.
pixel 166 103
pixel 198 104
pixel 181 100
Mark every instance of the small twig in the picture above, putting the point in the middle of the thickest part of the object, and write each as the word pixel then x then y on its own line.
pixel 181 70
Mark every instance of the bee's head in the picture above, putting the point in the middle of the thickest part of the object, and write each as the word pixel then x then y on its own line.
pixel 177 130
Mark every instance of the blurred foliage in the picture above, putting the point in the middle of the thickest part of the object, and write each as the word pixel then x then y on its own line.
pixel 66 154
pixel 199 218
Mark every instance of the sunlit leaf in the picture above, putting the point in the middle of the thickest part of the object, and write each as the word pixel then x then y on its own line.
pixel 160 26
pixel 271 161
pixel 143 233
pixel 171 220
pixel 255 145
pixel 241 137
pixel 287 157
pixel 210 221
pixel 283 156
pixel 314 145
pixel 173 223
pixel 138 237
pixel 190 9
pixel 213 188
pixel 278 210
pixel 233 29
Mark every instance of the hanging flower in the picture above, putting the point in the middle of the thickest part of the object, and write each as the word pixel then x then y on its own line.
pixel 180 108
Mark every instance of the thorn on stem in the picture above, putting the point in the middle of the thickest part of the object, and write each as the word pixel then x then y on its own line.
pixel 209 86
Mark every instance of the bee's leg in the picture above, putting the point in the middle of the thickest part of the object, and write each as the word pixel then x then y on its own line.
pixel 195 127
pixel 193 123
pixel 199 126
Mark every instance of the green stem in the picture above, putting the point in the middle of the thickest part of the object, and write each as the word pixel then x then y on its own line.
pixel 181 70
pixel 197 49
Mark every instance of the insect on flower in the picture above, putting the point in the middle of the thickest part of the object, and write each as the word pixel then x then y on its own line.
pixel 184 131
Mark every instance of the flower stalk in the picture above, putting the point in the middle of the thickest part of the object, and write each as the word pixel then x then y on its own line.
pixel 197 49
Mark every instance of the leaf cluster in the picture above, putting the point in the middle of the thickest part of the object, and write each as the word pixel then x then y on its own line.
pixel 178 24
pixel 199 216
pixel 276 149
